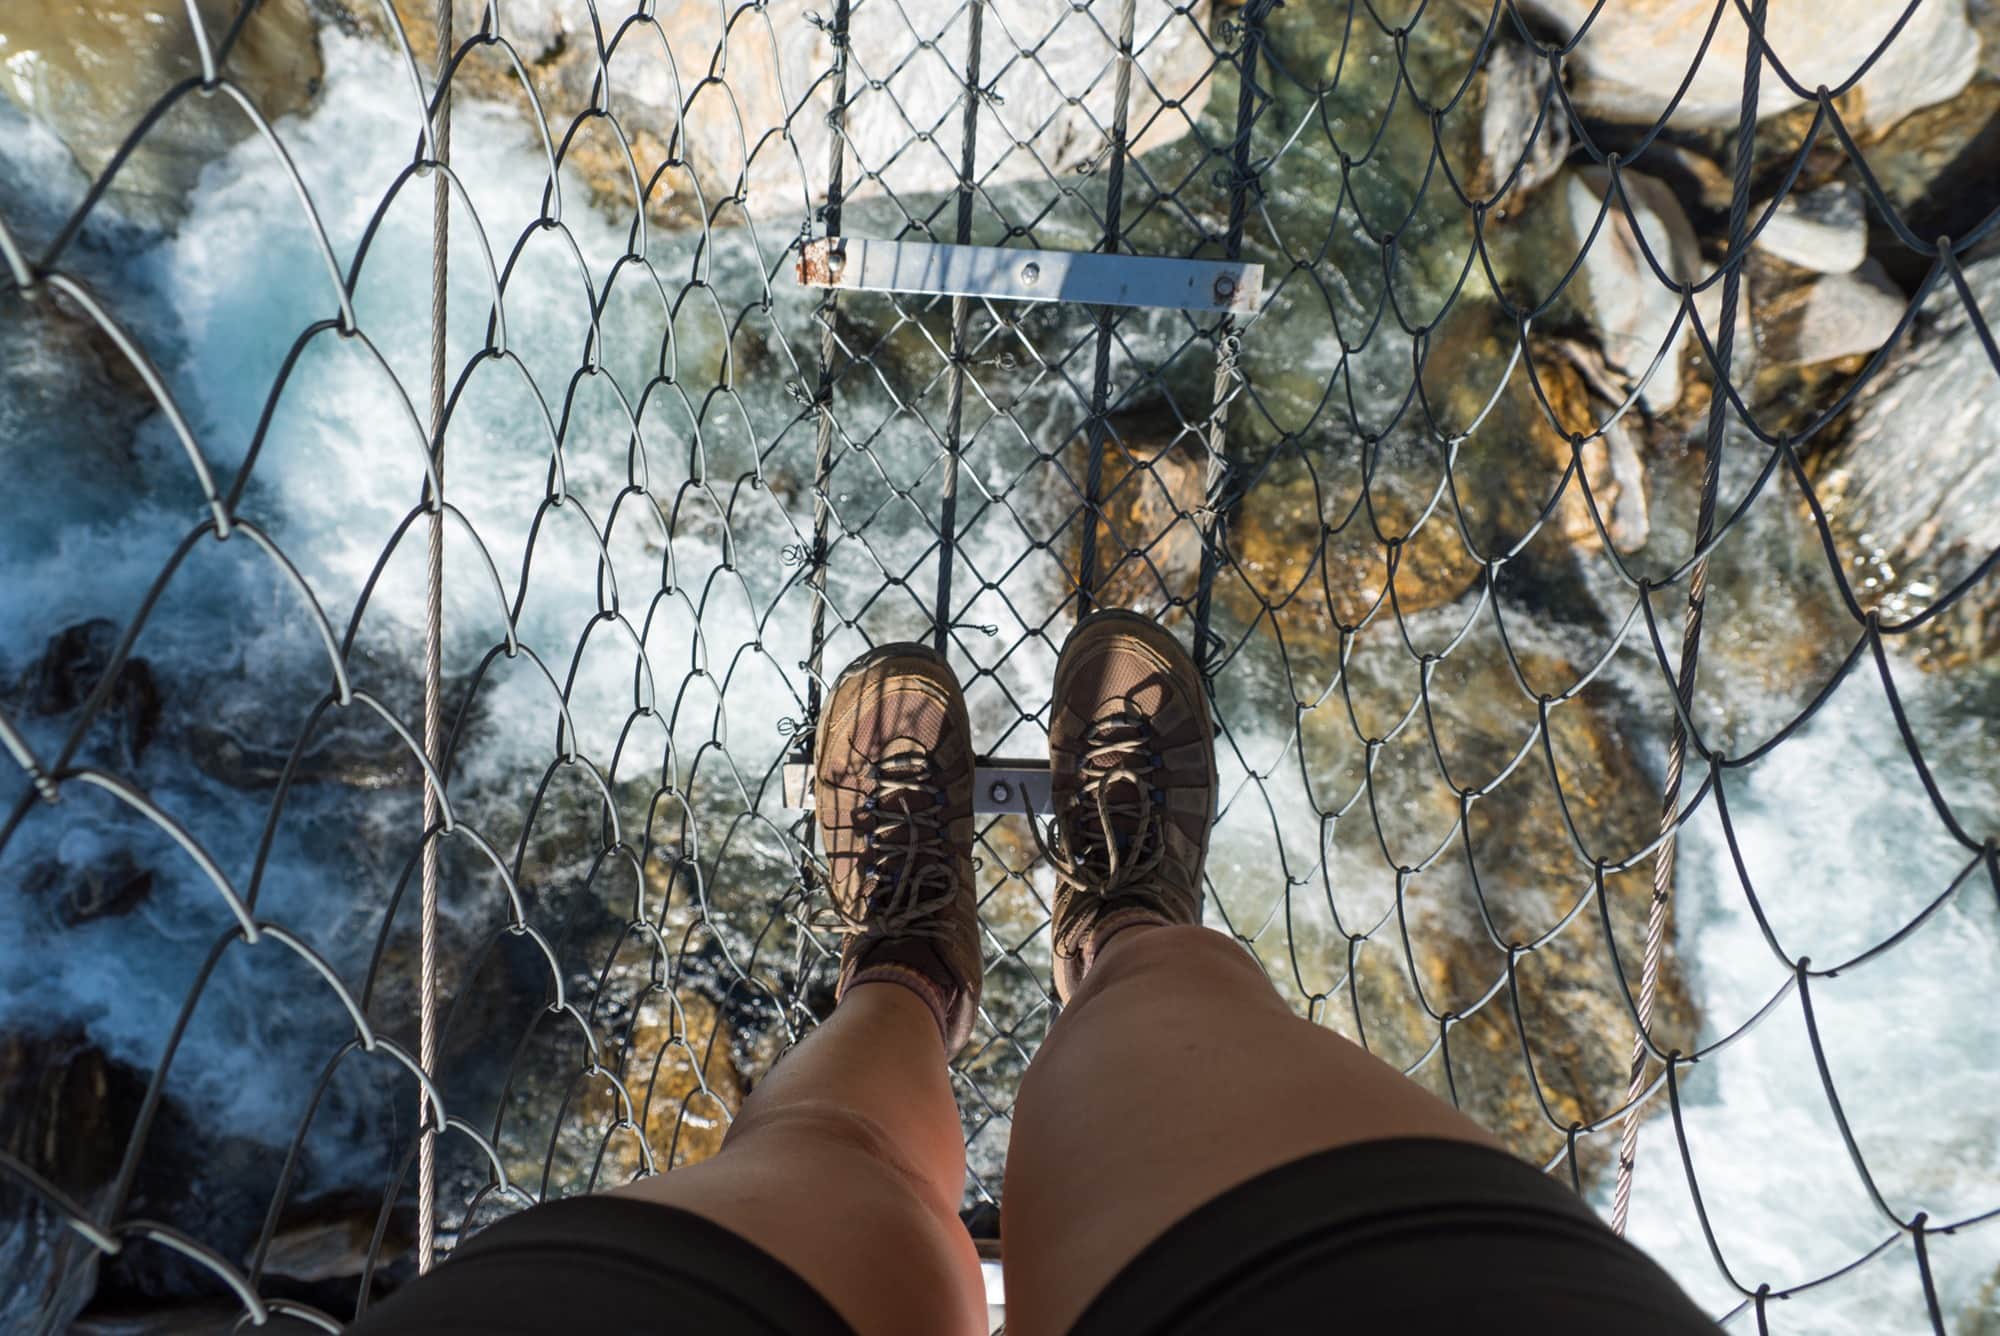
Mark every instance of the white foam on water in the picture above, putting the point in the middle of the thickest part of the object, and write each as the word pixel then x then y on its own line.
pixel 1843 847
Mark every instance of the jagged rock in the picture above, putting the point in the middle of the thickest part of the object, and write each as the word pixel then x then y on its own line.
pixel 65 1111
pixel 69 670
pixel 1825 230
pixel 1829 316
pixel 91 69
pixel 1306 543
pixel 104 886
pixel 1629 66
pixel 1520 145
pixel 65 1108
pixel 1914 488
pixel 775 66
pixel 1629 303
pixel 1610 459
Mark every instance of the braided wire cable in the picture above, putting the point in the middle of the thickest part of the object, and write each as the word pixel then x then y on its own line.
pixel 1697 599
pixel 433 641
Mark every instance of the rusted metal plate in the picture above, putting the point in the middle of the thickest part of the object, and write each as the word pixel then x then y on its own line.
pixel 1005 273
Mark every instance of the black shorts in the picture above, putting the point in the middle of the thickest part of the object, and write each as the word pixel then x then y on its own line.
pixel 1415 1237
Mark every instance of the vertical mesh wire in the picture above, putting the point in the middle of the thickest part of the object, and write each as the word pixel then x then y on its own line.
pixel 1435 538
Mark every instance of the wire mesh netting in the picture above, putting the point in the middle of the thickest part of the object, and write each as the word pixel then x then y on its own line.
pixel 1588 541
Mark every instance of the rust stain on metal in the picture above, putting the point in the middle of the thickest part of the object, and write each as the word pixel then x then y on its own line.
pixel 820 264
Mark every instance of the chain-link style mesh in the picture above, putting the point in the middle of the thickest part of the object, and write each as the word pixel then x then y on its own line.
pixel 1511 563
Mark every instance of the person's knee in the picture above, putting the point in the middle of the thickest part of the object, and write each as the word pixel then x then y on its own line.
pixel 823 1128
pixel 1175 962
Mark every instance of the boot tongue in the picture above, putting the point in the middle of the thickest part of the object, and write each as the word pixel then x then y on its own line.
pixel 904 758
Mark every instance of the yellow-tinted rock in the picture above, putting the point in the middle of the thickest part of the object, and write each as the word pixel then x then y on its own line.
pixel 1529 875
pixel 90 70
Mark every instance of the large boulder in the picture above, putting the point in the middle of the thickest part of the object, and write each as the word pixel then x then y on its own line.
pixel 736 102
pixel 1313 544
pixel 1631 62
pixel 674 1059
pixel 91 69
pixel 1574 1022
pixel 1914 487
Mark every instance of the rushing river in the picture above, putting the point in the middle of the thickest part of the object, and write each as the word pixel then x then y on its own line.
pixel 1834 828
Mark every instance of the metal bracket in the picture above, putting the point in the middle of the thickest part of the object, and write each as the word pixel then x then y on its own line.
pixel 1011 274
pixel 999 787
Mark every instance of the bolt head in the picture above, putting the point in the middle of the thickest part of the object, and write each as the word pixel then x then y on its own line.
pixel 1030 272
pixel 1225 287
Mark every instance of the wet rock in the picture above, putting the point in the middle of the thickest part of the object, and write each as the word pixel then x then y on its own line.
pixel 1573 1014
pixel 1521 146
pixel 1829 316
pixel 69 1110
pixel 1306 546
pixel 1629 66
pixel 91 70
pixel 65 1108
pixel 1914 488
pixel 72 666
pixel 1155 485
pixel 58 369
pixel 65 1111
pixel 672 1055
pixel 775 67
pixel 1312 544
pixel 331 1238
pixel 1825 230
pixel 353 757
pixel 104 886
pixel 1561 386
pixel 1940 168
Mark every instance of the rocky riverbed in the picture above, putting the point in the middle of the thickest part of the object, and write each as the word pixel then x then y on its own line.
pixel 1430 751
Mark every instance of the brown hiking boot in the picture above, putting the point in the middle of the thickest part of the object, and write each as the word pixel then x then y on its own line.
pixel 1132 786
pixel 893 792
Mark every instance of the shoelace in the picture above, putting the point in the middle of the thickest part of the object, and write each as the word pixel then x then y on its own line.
pixel 904 851
pixel 1090 860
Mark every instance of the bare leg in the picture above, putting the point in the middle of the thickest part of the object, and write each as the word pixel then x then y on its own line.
pixel 847 1164
pixel 1175 1074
